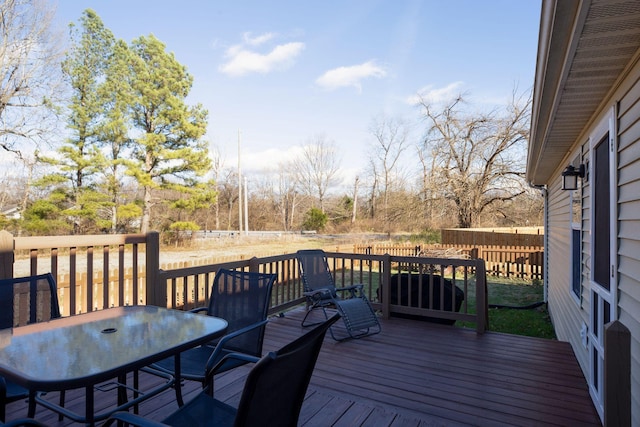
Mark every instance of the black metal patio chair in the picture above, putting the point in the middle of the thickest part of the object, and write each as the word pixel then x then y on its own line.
pixel 243 300
pixel 351 302
pixel 23 422
pixel 25 300
pixel 273 392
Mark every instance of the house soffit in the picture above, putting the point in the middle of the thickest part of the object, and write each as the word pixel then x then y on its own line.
pixel 589 59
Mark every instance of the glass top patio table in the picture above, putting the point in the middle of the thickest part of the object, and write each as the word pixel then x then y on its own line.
pixel 86 349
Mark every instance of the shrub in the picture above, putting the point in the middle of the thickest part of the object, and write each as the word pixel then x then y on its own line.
pixel 314 219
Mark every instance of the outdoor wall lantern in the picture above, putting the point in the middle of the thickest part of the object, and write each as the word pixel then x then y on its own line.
pixel 570 177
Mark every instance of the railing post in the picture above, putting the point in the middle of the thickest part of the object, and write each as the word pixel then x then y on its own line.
pixel 473 253
pixel 386 286
pixel 482 309
pixel 617 374
pixel 254 265
pixel 156 290
pixel 6 254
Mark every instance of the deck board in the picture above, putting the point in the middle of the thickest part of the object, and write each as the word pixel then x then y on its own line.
pixel 411 374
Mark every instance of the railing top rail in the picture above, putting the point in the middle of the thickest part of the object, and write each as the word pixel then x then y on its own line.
pixel 345 255
pixel 201 269
pixel 276 258
pixel 50 242
pixel 406 259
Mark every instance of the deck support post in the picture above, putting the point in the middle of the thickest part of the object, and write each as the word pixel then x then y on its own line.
pixel 254 265
pixel 482 308
pixel 6 254
pixel 156 291
pixel 386 287
pixel 617 374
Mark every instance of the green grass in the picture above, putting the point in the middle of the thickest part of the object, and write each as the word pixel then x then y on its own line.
pixel 534 322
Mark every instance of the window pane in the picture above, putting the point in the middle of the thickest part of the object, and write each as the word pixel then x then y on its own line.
pixel 601 217
pixel 594 374
pixel 594 313
pixel 575 261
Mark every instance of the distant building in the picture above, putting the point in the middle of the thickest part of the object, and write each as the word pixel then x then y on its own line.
pixel 11 212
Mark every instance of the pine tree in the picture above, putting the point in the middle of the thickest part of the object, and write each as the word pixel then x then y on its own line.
pixel 170 152
pixel 113 133
pixel 79 159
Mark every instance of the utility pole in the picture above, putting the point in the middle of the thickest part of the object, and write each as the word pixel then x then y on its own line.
pixel 246 207
pixel 355 201
pixel 239 189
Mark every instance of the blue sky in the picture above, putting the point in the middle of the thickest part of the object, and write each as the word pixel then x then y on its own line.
pixel 284 72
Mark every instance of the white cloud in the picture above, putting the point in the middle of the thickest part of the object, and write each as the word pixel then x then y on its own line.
pixel 429 94
pixel 243 58
pixel 350 76
pixel 257 40
pixel 267 160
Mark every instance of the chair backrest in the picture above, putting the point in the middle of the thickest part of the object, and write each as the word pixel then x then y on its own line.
pixel 25 300
pixel 314 270
pixel 242 299
pixel 276 386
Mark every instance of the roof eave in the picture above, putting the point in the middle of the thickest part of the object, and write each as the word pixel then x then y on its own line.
pixel 559 23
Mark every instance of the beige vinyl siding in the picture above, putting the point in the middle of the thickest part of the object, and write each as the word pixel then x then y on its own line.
pixel 629 229
pixel 565 311
pixel 586 242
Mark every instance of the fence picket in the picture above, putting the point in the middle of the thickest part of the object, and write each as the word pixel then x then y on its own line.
pixel 523 262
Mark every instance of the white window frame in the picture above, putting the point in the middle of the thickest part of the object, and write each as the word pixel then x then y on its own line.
pixel 596 332
pixel 575 224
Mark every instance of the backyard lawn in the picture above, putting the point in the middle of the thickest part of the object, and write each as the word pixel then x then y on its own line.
pixel 515 307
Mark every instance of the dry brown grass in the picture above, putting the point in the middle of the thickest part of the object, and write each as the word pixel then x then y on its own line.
pixel 243 247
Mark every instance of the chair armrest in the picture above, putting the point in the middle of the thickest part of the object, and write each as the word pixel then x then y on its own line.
pixel 210 372
pixel 354 290
pixel 357 286
pixel 222 341
pixel 239 356
pixel 132 419
pixel 318 293
pixel 199 309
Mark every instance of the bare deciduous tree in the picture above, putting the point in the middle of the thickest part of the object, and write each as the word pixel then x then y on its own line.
pixel 477 158
pixel 286 198
pixel 391 136
pixel 317 168
pixel 227 189
pixel 30 78
pixel 372 176
pixel 217 165
pixel 354 209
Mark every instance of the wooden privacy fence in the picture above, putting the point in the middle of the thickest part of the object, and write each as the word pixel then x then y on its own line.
pixel 533 236
pixel 522 262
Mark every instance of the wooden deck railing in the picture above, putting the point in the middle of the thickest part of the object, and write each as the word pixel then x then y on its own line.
pixel 92 271
pixel 94 278
pixel 100 271
pixel 522 262
pixel 188 287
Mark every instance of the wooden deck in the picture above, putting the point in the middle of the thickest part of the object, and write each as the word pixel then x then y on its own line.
pixel 412 374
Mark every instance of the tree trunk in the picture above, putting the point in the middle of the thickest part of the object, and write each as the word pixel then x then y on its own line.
pixel 146 211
